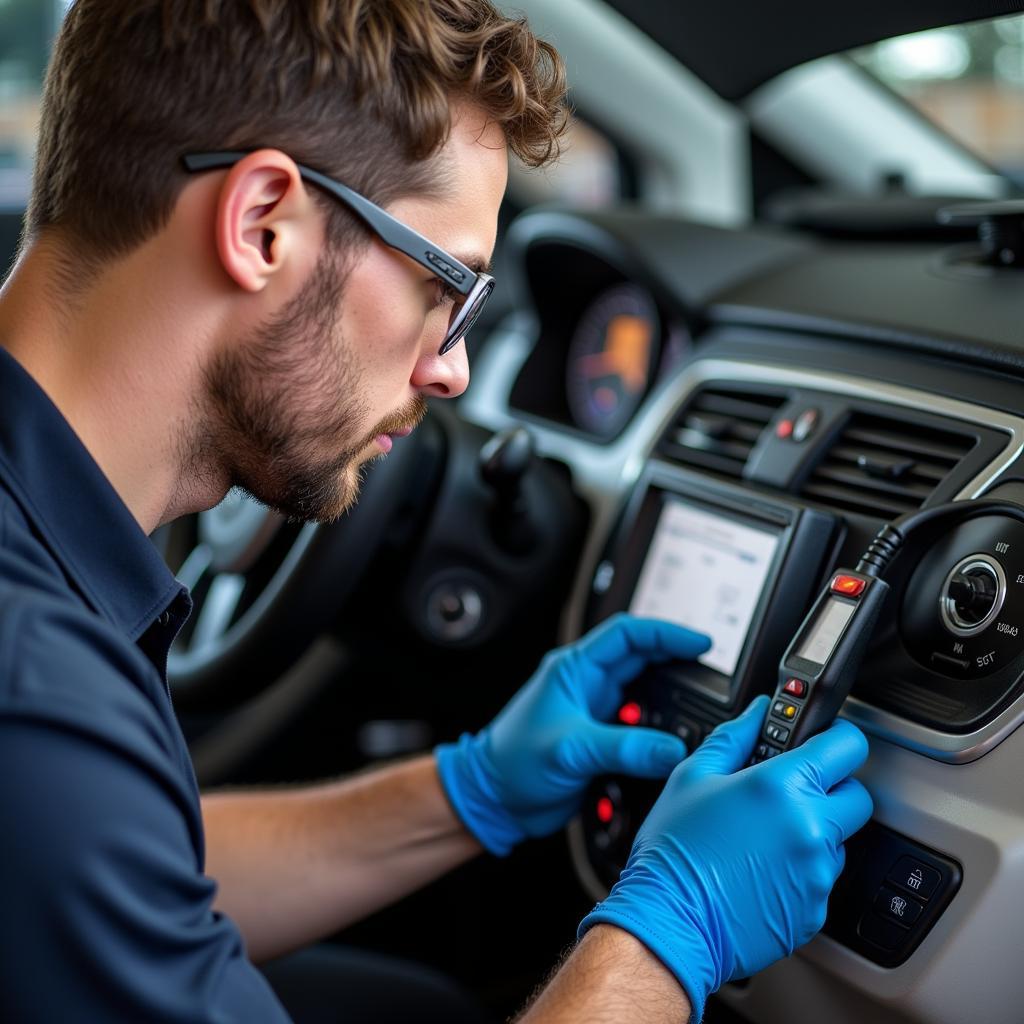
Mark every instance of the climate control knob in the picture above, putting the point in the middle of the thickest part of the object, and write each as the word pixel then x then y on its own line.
pixel 972 595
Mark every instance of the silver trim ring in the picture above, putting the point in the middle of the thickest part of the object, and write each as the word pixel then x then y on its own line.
pixel 947 606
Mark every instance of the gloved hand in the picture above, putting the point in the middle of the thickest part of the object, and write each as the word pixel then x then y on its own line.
pixel 733 867
pixel 525 774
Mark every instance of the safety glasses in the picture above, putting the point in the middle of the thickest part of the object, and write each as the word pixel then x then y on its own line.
pixel 471 289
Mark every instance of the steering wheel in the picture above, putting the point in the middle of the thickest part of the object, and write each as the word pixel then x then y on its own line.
pixel 263 588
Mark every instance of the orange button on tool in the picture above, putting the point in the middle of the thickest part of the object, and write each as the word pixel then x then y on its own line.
pixel 848 585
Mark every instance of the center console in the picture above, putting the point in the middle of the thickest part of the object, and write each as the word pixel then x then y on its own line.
pixel 739 567
pixel 743 567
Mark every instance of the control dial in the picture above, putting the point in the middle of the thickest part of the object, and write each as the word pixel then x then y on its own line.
pixel 962 612
pixel 972 595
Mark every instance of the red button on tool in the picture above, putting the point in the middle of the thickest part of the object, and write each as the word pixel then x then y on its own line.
pixel 784 429
pixel 631 713
pixel 796 687
pixel 848 585
pixel 605 810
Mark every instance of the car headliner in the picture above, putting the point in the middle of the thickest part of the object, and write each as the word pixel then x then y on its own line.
pixel 736 45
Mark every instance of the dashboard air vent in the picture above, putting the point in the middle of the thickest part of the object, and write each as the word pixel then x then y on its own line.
pixel 718 428
pixel 884 467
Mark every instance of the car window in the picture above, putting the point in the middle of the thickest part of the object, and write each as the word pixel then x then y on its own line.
pixel 592 172
pixel 968 79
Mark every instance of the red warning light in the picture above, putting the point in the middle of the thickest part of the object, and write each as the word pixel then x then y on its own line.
pixel 631 713
pixel 605 810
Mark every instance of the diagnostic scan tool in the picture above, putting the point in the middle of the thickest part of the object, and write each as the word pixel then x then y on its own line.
pixel 820 666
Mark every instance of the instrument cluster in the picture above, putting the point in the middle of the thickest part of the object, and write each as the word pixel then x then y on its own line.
pixel 615 354
pixel 605 361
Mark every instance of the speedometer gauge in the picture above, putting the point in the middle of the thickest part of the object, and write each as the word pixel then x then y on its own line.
pixel 612 355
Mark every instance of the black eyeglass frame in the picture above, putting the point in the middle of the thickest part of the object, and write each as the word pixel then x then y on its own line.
pixel 473 287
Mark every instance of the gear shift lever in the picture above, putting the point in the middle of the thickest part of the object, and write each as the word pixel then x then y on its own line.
pixel 504 461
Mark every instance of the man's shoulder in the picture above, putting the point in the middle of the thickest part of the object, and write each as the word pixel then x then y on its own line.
pixel 65 665
pixel 62 663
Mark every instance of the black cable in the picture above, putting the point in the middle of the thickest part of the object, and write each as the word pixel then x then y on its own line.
pixel 892 536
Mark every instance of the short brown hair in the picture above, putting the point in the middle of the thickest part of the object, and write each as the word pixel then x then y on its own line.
pixel 359 89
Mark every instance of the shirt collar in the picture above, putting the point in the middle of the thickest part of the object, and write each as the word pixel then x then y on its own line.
pixel 77 513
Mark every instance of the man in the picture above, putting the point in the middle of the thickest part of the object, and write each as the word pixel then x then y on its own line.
pixel 206 298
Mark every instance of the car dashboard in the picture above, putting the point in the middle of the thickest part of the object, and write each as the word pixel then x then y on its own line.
pixel 741 410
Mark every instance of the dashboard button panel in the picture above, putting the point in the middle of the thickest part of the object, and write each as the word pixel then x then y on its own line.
pixel 897 906
pixel 890 895
pixel 916 876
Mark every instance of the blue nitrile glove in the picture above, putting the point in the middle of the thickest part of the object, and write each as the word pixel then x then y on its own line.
pixel 525 774
pixel 733 867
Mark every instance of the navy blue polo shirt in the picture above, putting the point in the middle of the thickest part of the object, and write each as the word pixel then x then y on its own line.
pixel 105 911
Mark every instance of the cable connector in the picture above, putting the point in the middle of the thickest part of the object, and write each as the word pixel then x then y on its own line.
pixel 881 551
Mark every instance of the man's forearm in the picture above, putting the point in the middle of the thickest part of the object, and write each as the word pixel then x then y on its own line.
pixel 611 977
pixel 295 865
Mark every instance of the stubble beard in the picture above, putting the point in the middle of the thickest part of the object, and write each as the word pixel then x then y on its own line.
pixel 283 409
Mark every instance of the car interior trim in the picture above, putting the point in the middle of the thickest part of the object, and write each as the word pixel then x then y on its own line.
pixel 605 473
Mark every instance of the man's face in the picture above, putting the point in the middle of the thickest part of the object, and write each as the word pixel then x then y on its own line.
pixel 322 387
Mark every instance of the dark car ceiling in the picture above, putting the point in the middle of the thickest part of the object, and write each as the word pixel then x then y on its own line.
pixel 736 45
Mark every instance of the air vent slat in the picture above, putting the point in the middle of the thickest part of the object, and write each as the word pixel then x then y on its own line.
pixel 690 439
pixel 703 460
pixel 901 490
pixel 735 408
pixel 718 428
pixel 848 500
pixel 930 470
pixel 884 467
pixel 747 432
pixel 904 445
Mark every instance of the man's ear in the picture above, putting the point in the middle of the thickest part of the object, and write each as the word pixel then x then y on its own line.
pixel 264 216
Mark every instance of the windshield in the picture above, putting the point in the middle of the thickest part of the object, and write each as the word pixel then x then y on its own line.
pixel 968 79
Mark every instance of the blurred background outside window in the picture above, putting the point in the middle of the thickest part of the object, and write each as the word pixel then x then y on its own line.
pixel 968 79
pixel 591 172
pixel 26 31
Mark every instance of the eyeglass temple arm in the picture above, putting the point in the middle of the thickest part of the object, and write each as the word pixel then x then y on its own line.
pixel 391 231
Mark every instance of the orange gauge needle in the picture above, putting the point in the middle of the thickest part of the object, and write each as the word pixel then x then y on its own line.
pixel 626 353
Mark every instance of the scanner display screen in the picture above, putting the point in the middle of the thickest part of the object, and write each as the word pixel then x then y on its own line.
pixel 821 638
pixel 706 572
